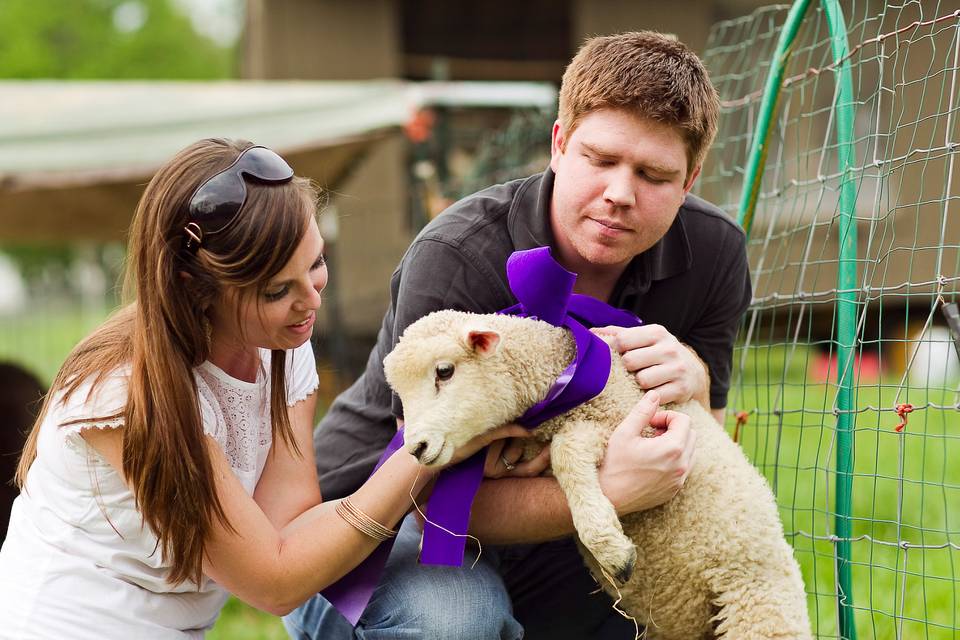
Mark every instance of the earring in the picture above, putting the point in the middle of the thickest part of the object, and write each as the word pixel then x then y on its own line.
pixel 207 329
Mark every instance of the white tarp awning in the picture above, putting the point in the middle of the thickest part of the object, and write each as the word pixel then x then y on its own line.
pixel 50 130
pixel 86 146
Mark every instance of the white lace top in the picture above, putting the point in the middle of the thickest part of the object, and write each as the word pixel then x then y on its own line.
pixel 77 561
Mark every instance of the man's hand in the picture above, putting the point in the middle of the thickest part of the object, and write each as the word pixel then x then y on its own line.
pixel 639 473
pixel 661 362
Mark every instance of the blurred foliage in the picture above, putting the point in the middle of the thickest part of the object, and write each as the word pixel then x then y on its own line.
pixel 106 39
pixel 32 260
pixel 38 260
pixel 518 150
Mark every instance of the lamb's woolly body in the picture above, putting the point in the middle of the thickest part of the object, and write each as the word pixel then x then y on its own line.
pixel 713 559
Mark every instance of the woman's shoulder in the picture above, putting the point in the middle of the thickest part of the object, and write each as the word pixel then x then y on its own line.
pixel 300 371
pixel 98 400
pixel 96 403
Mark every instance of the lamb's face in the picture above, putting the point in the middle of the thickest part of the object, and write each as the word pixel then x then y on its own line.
pixel 449 377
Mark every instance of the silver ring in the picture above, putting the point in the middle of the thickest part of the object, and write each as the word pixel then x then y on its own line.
pixel 506 463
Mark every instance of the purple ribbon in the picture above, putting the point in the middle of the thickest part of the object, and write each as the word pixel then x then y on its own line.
pixel 544 290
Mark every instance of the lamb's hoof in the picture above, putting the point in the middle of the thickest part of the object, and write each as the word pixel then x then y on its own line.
pixel 622 571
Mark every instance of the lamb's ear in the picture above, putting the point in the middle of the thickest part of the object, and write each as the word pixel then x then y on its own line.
pixel 484 343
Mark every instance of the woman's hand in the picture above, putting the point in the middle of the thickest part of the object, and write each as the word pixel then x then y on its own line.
pixel 504 460
pixel 639 473
pixel 484 439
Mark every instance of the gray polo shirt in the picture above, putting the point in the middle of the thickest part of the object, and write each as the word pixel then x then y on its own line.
pixel 695 282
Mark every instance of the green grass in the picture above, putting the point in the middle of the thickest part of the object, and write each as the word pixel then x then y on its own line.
pixel 906 487
pixel 239 621
pixel 40 341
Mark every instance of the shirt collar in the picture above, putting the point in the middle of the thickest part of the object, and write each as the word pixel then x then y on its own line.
pixel 529 226
pixel 528 221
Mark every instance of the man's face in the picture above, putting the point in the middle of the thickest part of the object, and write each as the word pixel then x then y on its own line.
pixel 619 183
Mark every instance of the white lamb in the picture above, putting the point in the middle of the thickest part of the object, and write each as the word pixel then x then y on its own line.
pixel 712 562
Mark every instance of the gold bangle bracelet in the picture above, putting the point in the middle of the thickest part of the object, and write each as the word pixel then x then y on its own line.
pixel 362 522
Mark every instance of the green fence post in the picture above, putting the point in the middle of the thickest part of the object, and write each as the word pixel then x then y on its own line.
pixel 846 331
pixel 846 314
pixel 768 106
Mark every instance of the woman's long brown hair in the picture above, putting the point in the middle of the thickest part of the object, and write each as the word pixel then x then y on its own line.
pixel 162 333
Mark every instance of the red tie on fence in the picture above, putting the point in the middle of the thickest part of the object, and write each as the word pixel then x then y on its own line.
pixel 902 411
pixel 741 420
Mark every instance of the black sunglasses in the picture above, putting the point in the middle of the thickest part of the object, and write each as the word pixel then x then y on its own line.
pixel 216 203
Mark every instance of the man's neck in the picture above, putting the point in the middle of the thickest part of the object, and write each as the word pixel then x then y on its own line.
pixel 594 280
pixel 597 283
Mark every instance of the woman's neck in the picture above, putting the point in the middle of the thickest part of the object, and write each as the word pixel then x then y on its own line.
pixel 236 360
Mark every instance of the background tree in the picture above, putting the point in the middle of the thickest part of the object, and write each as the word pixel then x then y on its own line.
pixel 107 39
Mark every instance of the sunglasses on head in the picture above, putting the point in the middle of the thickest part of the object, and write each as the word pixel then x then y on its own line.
pixel 216 203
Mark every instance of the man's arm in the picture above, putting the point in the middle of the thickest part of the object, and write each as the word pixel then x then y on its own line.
pixel 520 510
pixel 714 334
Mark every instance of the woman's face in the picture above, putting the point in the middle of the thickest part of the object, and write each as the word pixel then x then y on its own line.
pixel 281 317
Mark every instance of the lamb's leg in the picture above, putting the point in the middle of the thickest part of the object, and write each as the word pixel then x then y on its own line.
pixel 766 607
pixel 575 454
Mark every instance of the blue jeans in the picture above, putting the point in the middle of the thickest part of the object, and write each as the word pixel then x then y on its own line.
pixel 524 591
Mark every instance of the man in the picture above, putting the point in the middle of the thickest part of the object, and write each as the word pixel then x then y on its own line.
pixel 637 115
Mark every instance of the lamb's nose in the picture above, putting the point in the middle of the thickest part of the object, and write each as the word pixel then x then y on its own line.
pixel 419 449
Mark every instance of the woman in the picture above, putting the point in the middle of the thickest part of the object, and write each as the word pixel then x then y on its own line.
pixel 172 462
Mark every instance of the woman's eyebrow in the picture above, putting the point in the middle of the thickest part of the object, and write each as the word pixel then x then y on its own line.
pixel 319 262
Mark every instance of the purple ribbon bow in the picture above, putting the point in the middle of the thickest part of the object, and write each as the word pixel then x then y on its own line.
pixel 544 290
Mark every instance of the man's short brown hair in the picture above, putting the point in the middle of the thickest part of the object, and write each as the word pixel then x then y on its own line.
pixel 649 74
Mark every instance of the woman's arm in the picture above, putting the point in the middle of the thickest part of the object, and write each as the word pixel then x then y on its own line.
pixel 278 569
pixel 288 485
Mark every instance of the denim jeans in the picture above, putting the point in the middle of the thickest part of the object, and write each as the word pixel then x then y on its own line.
pixel 524 591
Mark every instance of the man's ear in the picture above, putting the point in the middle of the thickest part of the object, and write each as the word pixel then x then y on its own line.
pixel 691 179
pixel 483 342
pixel 557 144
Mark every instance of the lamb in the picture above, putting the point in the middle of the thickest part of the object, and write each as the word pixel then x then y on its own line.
pixel 711 563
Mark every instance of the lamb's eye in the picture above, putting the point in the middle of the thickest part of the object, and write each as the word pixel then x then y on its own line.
pixel 444 371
